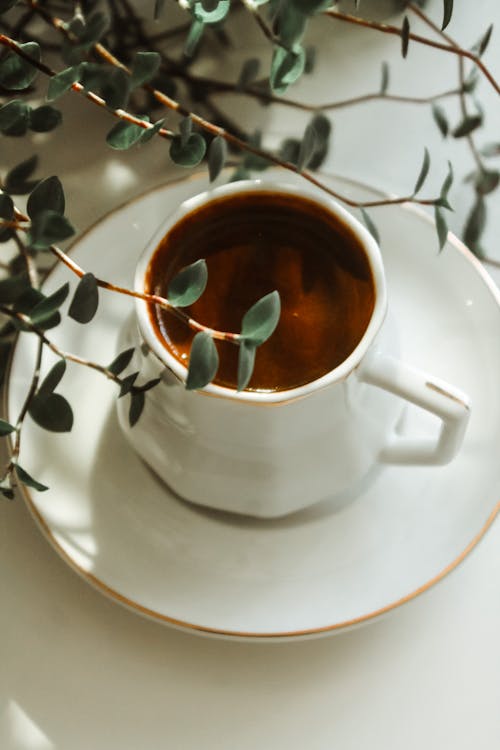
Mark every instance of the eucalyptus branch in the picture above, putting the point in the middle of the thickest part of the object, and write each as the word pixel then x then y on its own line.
pixel 151 298
pixel 121 114
pixel 397 31
pixel 44 340
pixel 28 261
pixel 16 448
pixel 266 30
pixel 461 72
pixel 207 126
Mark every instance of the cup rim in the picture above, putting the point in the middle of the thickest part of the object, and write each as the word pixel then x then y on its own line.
pixel 339 373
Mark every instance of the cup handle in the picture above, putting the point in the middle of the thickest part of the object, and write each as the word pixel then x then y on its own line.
pixel 436 396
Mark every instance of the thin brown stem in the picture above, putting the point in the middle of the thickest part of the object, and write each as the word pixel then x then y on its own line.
pixel 396 31
pixel 28 261
pixel 94 98
pixel 151 298
pixel 238 143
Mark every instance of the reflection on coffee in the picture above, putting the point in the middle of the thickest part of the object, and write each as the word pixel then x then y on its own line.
pixel 254 243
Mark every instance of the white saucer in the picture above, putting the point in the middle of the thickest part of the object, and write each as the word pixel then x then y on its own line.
pixel 319 571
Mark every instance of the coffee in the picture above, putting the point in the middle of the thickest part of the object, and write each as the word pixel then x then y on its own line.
pixel 254 243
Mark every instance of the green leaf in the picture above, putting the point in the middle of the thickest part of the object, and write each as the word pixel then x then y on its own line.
pixel 25 304
pixel 52 379
pixel 12 287
pixel 487 181
pixel 48 227
pixel 249 72
pixel 369 224
pixel 16 181
pixel 147 386
pixel 291 24
pixel 85 299
pixel 6 207
pixel 475 224
pixel 48 194
pixel 44 119
pixel 188 285
pixel 191 153
pixel 137 401
pixel 286 67
pixel 260 321
pixel 310 59
pixel 124 135
pixel 441 227
pixel 48 306
pixel 447 13
pixel 151 132
pixel 384 84
pixel 16 73
pixel 246 362
pixel 211 16
pixel 159 4
pixel 116 89
pixel 6 5
pixel 448 181
pixel 440 119
pixel 193 37
pixel 14 117
pixel 405 36
pixel 63 81
pixel 203 362
pixel 93 29
pixel 468 125
pixel 53 413
pixel 471 81
pixel 217 155
pixel 127 384
pixel 424 171
pixel 480 47
pixel 323 128
pixel 307 147
pixel 185 129
pixel 144 67
pixel 7 492
pixel 6 428
pixel 28 480
pixel 122 361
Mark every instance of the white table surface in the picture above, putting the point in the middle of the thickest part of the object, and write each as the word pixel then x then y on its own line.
pixel 78 672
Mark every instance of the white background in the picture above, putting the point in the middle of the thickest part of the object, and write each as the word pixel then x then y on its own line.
pixel 79 672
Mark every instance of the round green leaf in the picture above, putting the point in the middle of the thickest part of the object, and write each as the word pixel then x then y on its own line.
pixel 124 135
pixel 16 73
pixel 44 309
pixel 260 322
pixel 190 153
pixel 203 362
pixel 14 117
pixel 44 119
pixel 246 362
pixel 63 81
pixel 85 299
pixel 144 67
pixel 52 413
pixel 28 480
pixel 52 379
pixel 48 227
pixel 48 194
pixel 217 155
pixel 286 67
pixel 188 285
pixel 6 428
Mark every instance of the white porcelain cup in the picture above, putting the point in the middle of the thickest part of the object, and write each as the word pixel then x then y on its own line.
pixel 270 454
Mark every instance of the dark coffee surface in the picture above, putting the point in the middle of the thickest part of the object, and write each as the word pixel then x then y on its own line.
pixel 254 243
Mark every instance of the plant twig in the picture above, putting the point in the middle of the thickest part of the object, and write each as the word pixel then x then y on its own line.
pixel 396 31
pixel 151 298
